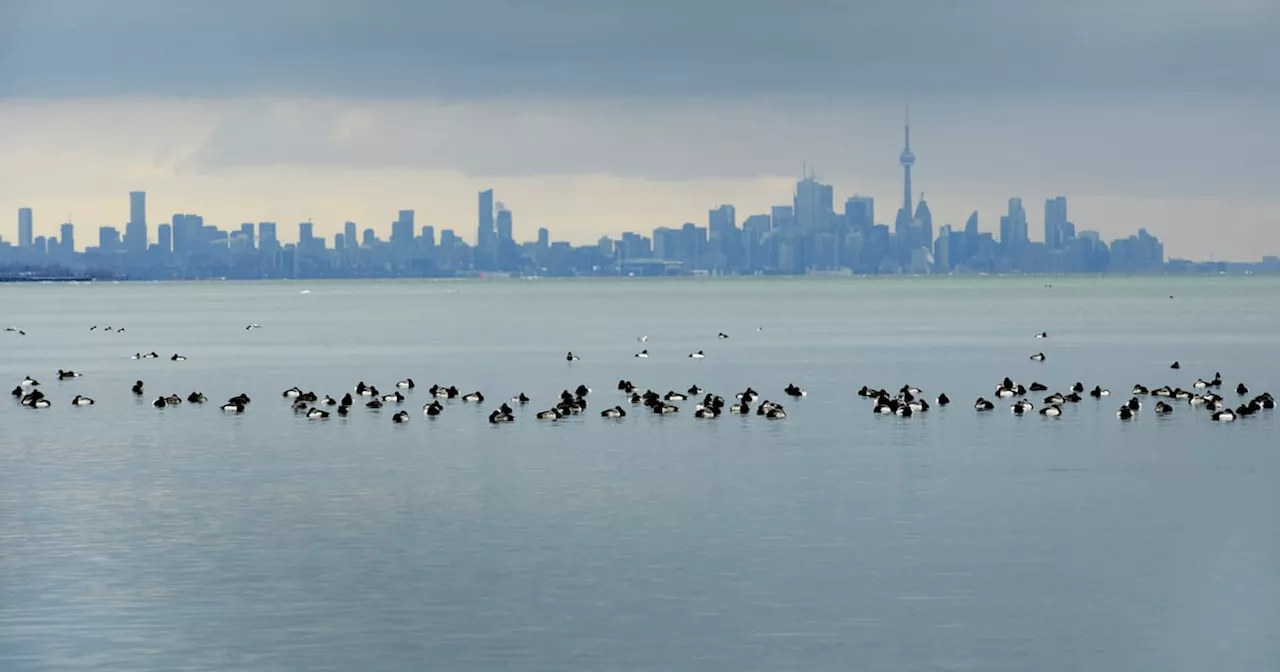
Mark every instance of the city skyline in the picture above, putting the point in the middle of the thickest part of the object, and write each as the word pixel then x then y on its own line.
pixel 1144 114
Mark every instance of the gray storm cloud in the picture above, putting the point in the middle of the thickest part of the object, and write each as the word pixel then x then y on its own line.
pixel 483 48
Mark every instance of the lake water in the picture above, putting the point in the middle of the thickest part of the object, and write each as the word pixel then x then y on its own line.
pixel 136 538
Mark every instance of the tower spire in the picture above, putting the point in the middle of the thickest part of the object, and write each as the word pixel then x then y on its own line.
pixel 907 160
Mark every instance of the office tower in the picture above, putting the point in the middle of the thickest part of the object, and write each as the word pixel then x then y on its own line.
pixel 108 239
pixel 504 233
pixel 544 239
pixel 68 234
pixel 860 212
pixel 246 233
pixel 428 238
pixel 369 238
pixel 1055 223
pixel 306 234
pixel 349 234
pixel 813 204
pixel 784 217
pixel 339 242
pixel 164 239
pixel 24 227
pixel 402 230
pixel 485 235
pixel 1013 226
pixel 267 240
pixel 135 232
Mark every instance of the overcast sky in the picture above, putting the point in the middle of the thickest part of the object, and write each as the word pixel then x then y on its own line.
pixel 592 117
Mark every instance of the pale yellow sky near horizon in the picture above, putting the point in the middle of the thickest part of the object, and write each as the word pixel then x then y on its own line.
pixel 580 170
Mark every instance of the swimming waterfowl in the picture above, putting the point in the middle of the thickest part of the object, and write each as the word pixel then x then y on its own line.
pixel 196 398
pixel 82 401
pixel 697 355
pixel 1038 357
pixel 400 417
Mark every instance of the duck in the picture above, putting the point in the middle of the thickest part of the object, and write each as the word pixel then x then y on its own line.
pixel 400 417
pixel 177 358
pixel 1051 411
pixel 1124 413
pixel 1038 357
pixel 394 398
pixel 983 405
pixel 1241 389
pixel 1097 392
pixel 1163 408
pixel 570 357
pixel 432 409
pixel 197 398
pixel 343 411
pixel 293 392
pixel 474 397
pixel 159 402
pixel 497 417
pixel 694 390
pixel 943 399
pixel 643 354
pixel 137 387
pixel 82 401
pixel 521 399
pixel 233 407
pixel 697 355
pixel 776 413
pixel 1021 407
pixel 722 335
pixel 41 402
pixel 549 414
pixel 329 401
pixel 375 404
pixel 706 413
pixel 1038 387
pixel 1175 365
pixel 1042 334
pixel 615 412
pixel 1055 399
pixel 407 383
pixel 1225 415
pixel 316 414
pixel 793 390
pixel 346 400
pixel 674 396
pixel 64 375
pixel 30 382
pixel 173 400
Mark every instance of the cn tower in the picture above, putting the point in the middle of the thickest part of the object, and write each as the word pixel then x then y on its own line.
pixel 907 160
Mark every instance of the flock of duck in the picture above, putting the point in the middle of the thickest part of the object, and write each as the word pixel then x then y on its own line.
pixel 570 403
pixel 907 402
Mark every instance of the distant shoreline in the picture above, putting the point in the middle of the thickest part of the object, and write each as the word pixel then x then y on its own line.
pixel 506 278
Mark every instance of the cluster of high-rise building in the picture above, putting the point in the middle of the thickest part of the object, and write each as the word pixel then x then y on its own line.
pixel 807 235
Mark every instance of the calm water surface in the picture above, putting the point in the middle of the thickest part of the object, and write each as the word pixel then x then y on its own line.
pixel 133 538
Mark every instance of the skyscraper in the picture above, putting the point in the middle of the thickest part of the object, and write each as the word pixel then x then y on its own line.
pixel 1055 223
pixel 1013 227
pixel 505 234
pixel 349 234
pixel 24 227
pixel 402 230
pixel 485 235
pixel 68 234
pixel 135 232
pixel 813 203
pixel 860 213
pixel 164 239
pixel 267 240
pixel 306 235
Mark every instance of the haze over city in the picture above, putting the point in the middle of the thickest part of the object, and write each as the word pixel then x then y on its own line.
pixel 592 120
